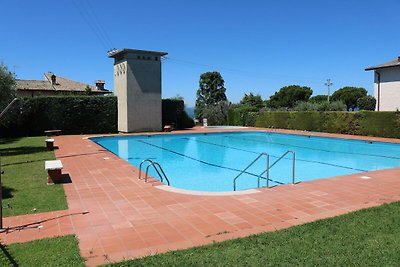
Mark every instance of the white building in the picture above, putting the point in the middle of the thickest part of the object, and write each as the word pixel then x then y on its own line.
pixel 387 85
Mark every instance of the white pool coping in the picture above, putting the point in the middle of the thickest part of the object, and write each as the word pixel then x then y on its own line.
pixel 204 193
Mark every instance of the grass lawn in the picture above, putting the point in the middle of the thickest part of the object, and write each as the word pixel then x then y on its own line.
pixel 60 251
pixel 24 179
pixel 369 237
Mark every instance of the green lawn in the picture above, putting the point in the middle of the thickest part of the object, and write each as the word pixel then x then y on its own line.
pixel 24 179
pixel 369 237
pixel 60 251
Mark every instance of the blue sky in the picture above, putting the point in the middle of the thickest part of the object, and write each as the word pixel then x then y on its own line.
pixel 258 46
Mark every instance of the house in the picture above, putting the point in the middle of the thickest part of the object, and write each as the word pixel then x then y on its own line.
pixel 53 85
pixel 387 85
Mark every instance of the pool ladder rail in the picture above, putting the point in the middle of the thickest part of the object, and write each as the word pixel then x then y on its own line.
pixel 157 167
pixel 268 167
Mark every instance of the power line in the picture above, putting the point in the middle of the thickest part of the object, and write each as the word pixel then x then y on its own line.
pixel 244 72
pixel 98 23
pixel 93 24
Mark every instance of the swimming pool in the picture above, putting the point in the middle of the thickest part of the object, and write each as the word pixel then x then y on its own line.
pixel 211 161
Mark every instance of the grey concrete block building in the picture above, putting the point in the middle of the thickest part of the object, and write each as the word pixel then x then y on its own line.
pixel 137 85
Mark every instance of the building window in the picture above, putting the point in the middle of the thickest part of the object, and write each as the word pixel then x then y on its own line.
pixel 155 58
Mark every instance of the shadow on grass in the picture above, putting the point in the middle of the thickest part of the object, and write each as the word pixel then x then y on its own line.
pixel 14 151
pixel 4 141
pixel 8 256
pixel 24 162
pixel 7 192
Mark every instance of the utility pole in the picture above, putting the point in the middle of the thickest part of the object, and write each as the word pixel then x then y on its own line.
pixel 328 83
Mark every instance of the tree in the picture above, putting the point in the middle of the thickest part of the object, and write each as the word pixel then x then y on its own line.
pixel 253 101
pixel 7 86
pixel 217 114
pixel 366 103
pixel 211 91
pixel 349 95
pixel 318 98
pixel 288 96
pixel 88 90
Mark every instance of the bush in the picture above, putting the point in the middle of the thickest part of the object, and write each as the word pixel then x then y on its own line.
pixel 31 116
pixel 72 115
pixel 366 103
pixel 242 115
pixel 370 123
pixel 173 113
pixel 385 124
pixel 321 106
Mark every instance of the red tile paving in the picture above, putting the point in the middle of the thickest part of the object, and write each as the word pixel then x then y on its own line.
pixel 128 218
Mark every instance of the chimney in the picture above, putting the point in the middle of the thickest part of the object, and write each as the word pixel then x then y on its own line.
pixel 53 79
pixel 100 85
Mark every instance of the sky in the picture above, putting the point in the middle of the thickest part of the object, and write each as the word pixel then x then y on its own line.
pixel 257 46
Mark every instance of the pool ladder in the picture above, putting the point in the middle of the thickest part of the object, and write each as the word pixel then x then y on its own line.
pixel 268 167
pixel 157 167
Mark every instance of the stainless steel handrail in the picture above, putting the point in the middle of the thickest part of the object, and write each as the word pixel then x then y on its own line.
pixel 155 165
pixel 140 167
pixel 267 169
pixel 158 170
pixel 293 164
pixel 248 166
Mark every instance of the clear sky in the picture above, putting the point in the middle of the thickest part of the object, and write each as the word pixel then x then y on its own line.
pixel 258 46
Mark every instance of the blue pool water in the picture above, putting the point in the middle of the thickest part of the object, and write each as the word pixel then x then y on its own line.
pixel 209 162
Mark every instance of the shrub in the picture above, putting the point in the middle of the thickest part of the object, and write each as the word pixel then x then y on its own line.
pixel 320 106
pixel 366 103
pixel 72 114
pixel 173 113
pixel 385 124
pixel 76 115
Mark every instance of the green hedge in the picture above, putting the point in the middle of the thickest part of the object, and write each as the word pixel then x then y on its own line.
pixel 243 116
pixel 173 113
pixel 71 114
pixel 31 116
pixel 368 123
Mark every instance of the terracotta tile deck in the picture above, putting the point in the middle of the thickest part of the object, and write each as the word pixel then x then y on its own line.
pixel 128 218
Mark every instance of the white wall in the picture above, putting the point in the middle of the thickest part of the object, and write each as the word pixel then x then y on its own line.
pixel 389 89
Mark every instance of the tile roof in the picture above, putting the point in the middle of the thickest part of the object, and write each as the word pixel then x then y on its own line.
pixel 393 63
pixel 62 84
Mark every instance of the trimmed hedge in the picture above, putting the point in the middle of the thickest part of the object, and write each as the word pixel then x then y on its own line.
pixel 173 113
pixel 31 116
pixel 71 114
pixel 244 116
pixel 369 123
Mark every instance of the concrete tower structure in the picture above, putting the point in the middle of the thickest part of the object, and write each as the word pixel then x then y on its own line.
pixel 137 85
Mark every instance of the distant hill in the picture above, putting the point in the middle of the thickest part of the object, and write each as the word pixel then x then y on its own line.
pixel 190 111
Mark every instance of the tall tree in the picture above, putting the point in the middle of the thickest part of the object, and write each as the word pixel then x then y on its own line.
pixel 289 96
pixel 253 101
pixel 7 86
pixel 349 96
pixel 211 91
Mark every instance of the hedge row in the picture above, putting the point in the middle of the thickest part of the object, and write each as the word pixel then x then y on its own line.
pixel 173 113
pixel 72 114
pixel 31 116
pixel 368 123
